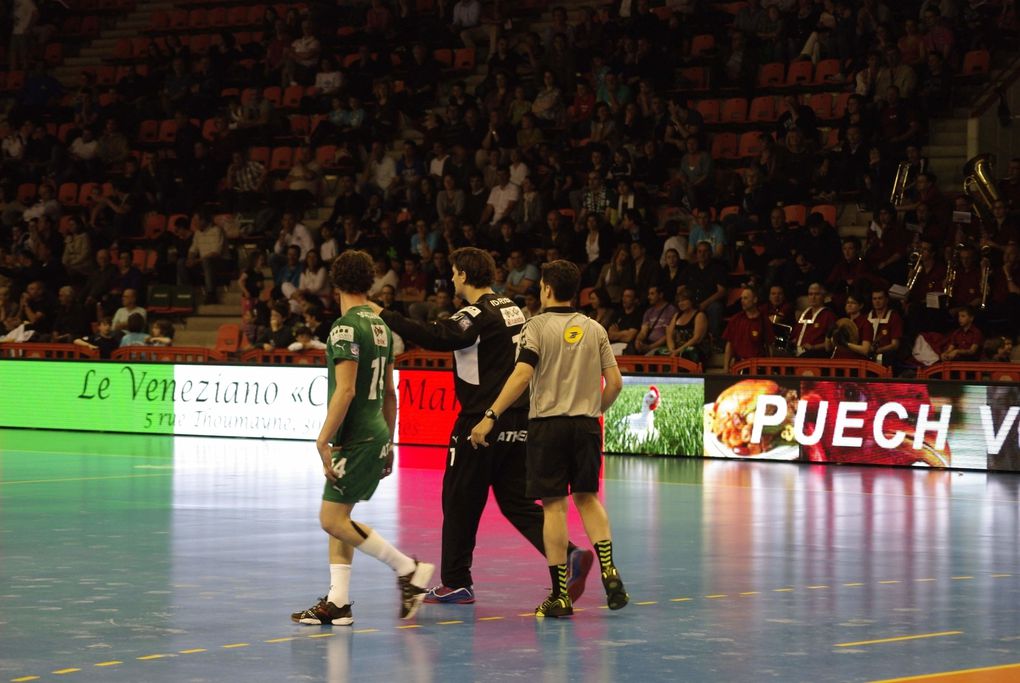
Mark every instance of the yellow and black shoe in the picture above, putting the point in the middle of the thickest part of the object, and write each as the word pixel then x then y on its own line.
pixel 555 607
pixel 616 594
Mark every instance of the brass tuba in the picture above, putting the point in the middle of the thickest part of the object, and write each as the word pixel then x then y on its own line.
pixel 900 182
pixel 979 185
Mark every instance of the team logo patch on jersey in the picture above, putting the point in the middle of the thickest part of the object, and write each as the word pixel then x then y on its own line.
pixel 356 350
pixel 573 334
pixel 472 311
pixel 379 335
pixel 341 333
pixel 512 316
pixel 463 323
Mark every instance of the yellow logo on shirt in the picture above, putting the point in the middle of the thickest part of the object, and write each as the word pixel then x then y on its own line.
pixel 573 334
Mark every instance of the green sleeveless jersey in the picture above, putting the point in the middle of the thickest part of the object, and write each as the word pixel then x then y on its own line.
pixel 361 336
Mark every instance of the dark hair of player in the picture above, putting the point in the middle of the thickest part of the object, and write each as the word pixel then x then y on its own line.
pixel 351 272
pixel 564 278
pixel 478 266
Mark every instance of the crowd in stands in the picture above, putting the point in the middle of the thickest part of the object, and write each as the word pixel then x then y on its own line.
pixel 691 156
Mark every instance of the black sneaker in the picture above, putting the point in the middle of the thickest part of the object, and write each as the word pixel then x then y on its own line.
pixel 413 587
pixel 555 607
pixel 616 595
pixel 324 613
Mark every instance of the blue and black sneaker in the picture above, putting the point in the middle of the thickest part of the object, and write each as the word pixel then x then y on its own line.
pixel 444 595
pixel 578 565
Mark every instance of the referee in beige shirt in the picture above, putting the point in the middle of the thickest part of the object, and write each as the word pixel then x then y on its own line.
pixel 564 356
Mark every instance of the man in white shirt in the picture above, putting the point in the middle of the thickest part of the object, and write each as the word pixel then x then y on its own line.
pixel 292 233
pixel 206 252
pixel 305 53
pixel 24 16
pixel 380 170
pixel 129 305
pixel 467 22
pixel 502 199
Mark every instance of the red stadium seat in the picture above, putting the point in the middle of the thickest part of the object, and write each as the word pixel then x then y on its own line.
pixel 444 56
pixel 68 194
pixel 148 131
pixel 702 45
pixel 85 191
pixel 299 125
pixel 198 18
pixel 821 104
pixel 292 97
pixel 155 225
pixel 734 110
pixel 751 145
pixel 167 131
pixel 228 339
pixel 282 159
pixel 696 76
pixel 274 94
pixel 260 154
pixel 763 109
pixel 26 193
pixel 325 156
pixel 800 73
pixel 159 21
pixel 123 49
pixel 839 104
pixel 464 59
pixel 724 146
pixel 53 54
pixel 106 75
pixel 709 110
pixel 795 213
pixel 218 17
pixel 771 75
pixel 976 63
pixel 238 16
pixel 825 69
pixel 248 96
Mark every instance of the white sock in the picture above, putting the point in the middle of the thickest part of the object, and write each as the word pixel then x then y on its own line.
pixel 378 547
pixel 339 584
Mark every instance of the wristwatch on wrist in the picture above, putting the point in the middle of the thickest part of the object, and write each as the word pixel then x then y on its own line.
pixel 491 415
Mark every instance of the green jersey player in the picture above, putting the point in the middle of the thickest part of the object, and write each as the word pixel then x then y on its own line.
pixel 355 445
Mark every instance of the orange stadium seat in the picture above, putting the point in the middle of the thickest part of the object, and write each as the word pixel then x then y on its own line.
pixel 734 110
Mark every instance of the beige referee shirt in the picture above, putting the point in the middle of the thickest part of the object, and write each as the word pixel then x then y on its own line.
pixel 569 351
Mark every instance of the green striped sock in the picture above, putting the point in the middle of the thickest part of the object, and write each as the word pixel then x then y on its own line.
pixel 558 574
pixel 604 549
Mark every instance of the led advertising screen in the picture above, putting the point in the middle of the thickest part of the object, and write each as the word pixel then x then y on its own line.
pixel 656 416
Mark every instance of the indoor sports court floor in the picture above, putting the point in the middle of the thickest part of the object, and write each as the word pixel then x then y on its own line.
pixel 155 559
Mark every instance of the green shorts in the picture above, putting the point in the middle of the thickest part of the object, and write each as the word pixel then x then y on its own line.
pixel 360 468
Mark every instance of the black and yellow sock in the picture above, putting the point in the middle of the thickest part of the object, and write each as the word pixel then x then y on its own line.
pixel 558 574
pixel 604 549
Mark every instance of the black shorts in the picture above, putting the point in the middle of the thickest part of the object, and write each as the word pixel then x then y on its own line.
pixel 564 456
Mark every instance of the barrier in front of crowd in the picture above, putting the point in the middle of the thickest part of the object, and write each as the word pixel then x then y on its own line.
pixel 48 351
pixel 811 367
pixel 166 354
pixel 656 365
pixel 279 357
pixel 972 372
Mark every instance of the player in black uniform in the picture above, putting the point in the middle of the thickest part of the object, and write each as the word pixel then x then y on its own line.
pixel 483 337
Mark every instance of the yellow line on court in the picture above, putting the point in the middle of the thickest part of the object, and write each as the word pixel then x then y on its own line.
pixel 316 635
pixel 962 578
pixel 68 479
pixel 233 646
pixel 897 639
pixel 148 657
pixel 851 585
pixel 192 651
pixel 646 602
pixel 23 679
pixel 782 590
pixel 924 580
pixel 677 600
pixel 1000 576
pixel 984 674
pixel 750 593
pixel 61 672
pixel 112 662
pixel 489 618
pixel 451 621
pixel 279 640
pixel 409 626
pixel 716 596
pixel 367 630
pixel 814 588
pixel 889 582
pixel 526 614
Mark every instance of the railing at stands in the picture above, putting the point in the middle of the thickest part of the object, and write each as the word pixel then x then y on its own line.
pixel 976 372
pixel 809 367
pixel 275 357
pixel 657 365
pixel 51 351
pixel 166 354
pixel 425 360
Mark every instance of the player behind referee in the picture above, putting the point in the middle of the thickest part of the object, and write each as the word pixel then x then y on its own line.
pixel 483 337
pixel 564 356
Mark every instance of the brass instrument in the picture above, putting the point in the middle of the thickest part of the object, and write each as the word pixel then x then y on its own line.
pixel 915 264
pixel 900 183
pixel 951 267
pixel 979 185
pixel 986 273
